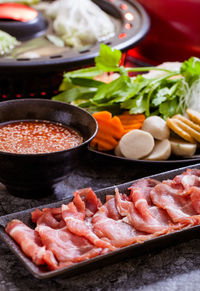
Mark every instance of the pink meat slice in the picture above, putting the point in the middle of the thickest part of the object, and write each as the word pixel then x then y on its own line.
pixel 90 200
pixel 66 247
pixel 143 218
pixel 140 196
pixel 28 240
pixel 143 187
pixel 51 217
pixel 179 207
pixel 182 183
pixel 77 225
pixel 110 208
pixel 116 231
pixel 195 198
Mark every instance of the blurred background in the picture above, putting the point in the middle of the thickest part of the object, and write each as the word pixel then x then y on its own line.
pixel 174 31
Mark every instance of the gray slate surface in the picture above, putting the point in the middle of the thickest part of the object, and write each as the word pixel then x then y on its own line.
pixel 170 269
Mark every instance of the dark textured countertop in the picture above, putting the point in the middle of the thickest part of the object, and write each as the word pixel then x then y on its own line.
pixel 173 268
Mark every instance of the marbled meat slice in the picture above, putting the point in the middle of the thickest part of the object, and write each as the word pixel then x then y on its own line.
pixel 51 217
pixel 109 226
pixel 77 225
pixel 143 219
pixel 140 196
pixel 181 184
pixel 66 247
pixel 110 208
pixel 28 240
pixel 141 190
pixel 90 200
pixel 195 198
pixel 179 208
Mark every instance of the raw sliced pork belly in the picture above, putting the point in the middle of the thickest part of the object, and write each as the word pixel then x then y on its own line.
pixel 89 199
pixel 77 225
pixel 182 183
pixel 140 212
pixel 84 228
pixel 145 222
pixel 141 190
pixel 180 197
pixel 51 217
pixel 28 240
pixel 66 247
pixel 109 225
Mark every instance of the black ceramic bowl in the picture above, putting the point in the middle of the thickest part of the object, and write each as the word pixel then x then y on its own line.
pixel 34 175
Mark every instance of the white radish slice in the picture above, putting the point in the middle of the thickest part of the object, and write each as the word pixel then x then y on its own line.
pixel 157 127
pixel 182 148
pixel 161 151
pixel 136 144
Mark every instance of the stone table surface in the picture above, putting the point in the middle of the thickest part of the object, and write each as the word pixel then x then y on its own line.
pixel 174 268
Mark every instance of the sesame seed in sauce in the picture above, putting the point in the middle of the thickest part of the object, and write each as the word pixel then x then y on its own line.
pixel 36 137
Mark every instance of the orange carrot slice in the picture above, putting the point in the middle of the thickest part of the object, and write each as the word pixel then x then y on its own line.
pixel 131 121
pixel 109 133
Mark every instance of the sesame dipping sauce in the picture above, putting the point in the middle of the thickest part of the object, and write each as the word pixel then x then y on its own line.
pixel 37 137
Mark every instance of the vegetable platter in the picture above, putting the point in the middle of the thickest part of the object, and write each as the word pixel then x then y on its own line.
pixel 152 116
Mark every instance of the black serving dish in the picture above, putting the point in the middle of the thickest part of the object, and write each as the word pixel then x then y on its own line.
pixel 102 260
pixel 33 175
pixel 172 160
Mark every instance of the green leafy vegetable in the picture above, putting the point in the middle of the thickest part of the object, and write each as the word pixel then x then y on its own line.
pixel 165 95
pixel 7 43
pixel 191 69
pixel 108 59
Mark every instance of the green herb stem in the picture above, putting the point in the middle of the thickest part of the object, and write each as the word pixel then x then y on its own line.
pixel 144 69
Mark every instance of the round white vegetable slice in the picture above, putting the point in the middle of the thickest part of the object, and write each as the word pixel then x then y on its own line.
pixel 182 148
pixel 117 151
pixel 161 151
pixel 157 127
pixel 136 144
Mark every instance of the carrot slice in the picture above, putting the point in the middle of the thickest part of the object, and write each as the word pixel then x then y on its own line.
pixel 131 121
pixel 111 129
pixel 109 133
pixel 128 128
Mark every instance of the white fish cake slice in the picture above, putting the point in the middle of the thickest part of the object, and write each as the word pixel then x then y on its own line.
pixel 182 148
pixel 157 127
pixel 161 151
pixel 136 144
pixel 117 151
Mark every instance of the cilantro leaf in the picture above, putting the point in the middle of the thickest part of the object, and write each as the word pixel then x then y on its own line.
pixel 108 59
pixel 190 69
pixel 115 89
pixel 136 105
pixel 169 108
pixel 164 93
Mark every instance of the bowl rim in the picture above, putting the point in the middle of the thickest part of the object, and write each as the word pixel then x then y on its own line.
pixel 87 141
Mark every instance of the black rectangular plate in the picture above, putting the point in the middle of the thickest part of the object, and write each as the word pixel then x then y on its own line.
pixel 102 260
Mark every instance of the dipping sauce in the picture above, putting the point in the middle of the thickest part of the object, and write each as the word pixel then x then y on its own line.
pixel 36 137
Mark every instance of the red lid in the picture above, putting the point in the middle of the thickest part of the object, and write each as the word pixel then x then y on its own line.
pixel 19 12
